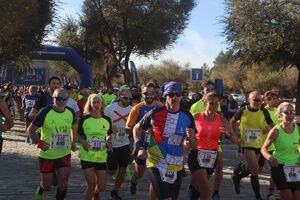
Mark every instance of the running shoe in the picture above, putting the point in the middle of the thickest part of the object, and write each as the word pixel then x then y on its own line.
pixel 236 184
pixel 37 195
pixel 132 187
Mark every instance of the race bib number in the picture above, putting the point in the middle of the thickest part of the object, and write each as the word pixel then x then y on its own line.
pixel 168 177
pixel 207 158
pixel 60 141
pixel 252 135
pixel 30 103
pixel 97 145
pixel 120 132
pixel 174 160
pixel 292 173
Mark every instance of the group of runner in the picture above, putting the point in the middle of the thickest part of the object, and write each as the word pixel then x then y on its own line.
pixel 156 135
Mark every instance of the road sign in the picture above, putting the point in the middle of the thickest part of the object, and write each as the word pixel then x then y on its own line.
pixel 197 74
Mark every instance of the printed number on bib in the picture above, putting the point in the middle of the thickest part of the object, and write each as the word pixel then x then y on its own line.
pixel 207 158
pixel 252 135
pixel 97 145
pixel 60 141
pixel 120 132
pixel 292 173
pixel 30 103
pixel 169 177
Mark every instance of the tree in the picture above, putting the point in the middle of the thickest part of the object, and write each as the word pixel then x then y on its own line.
pixel 265 31
pixel 124 27
pixel 23 26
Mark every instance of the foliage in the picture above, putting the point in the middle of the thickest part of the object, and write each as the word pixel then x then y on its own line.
pixel 23 27
pixel 123 27
pixel 265 30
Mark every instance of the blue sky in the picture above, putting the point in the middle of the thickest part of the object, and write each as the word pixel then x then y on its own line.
pixel 200 43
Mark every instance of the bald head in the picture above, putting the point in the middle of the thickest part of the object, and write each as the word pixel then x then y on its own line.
pixel 255 100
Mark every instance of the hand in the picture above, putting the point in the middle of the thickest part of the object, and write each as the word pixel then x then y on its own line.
pixel 234 138
pixel 273 162
pixel 86 146
pixel 45 147
pixel 73 146
pixel 186 145
pixel 142 154
pixel 190 132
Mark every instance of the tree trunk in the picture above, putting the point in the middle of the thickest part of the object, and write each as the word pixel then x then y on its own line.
pixel 126 71
pixel 298 92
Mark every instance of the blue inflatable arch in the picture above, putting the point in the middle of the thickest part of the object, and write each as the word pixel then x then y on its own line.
pixel 70 56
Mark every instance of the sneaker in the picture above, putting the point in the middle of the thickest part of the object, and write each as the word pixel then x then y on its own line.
pixel 132 187
pixel 37 195
pixel 114 195
pixel 216 196
pixel 236 184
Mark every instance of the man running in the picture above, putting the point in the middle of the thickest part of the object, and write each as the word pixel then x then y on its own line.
pixel 119 158
pixel 254 121
pixel 5 124
pixel 58 129
pixel 170 129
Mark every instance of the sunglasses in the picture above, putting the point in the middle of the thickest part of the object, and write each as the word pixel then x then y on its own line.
pixel 289 112
pixel 126 98
pixel 61 98
pixel 174 94
pixel 148 93
pixel 256 100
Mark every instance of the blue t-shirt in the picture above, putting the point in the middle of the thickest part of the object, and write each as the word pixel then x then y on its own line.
pixel 28 102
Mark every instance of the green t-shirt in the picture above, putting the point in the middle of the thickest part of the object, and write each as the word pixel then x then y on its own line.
pixel 55 130
pixel 286 146
pixel 94 131
pixel 200 107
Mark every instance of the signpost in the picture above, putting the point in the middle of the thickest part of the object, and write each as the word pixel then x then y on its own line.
pixel 197 74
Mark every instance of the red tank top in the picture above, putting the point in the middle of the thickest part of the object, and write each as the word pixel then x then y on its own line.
pixel 208 133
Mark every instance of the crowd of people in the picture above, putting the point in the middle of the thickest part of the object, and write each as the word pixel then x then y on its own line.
pixel 159 129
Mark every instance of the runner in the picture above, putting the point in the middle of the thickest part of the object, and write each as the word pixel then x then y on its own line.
pixel 27 104
pixel 169 128
pixel 203 159
pixel 5 124
pixel 108 96
pixel 94 131
pixel 199 106
pixel 284 161
pixel 119 158
pixel 136 114
pixel 58 129
pixel 254 121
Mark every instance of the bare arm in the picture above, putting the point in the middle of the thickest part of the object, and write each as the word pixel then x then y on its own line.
pixel 8 123
pixel 228 129
pixel 272 136
pixel 32 113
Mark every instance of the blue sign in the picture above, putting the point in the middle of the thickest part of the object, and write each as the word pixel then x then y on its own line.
pixel 197 74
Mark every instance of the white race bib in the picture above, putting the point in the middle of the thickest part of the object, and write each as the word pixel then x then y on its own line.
pixel 169 177
pixel 30 103
pixel 97 145
pixel 174 160
pixel 292 173
pixel 120 133
pixel 60 141
pixel 252 135
pixel 207 158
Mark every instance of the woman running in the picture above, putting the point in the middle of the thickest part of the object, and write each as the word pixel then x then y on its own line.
pixel 94 130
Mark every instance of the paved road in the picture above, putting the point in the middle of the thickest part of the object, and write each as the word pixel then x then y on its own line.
pixel 19 175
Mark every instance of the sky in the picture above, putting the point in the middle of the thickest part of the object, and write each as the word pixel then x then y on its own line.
pixel 200 43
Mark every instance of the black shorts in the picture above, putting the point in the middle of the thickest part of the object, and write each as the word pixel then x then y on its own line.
pixel 140 162
pixel 261 160
pixel 163 189
pixel 278 176
pixel 194 165
pixel 120 157
pixel 97 166
pixel 257 150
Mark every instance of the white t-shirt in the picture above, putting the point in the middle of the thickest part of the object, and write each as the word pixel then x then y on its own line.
pixel 118 116
pixel 72 104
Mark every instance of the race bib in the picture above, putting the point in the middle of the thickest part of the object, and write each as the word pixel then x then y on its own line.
pixel 252 135
pixel 292 173
pixel 30 103
pixel 97 145
pixel 120 132
pixel 207 158
pixel 168 177
pixel 174 160
pixel 60 141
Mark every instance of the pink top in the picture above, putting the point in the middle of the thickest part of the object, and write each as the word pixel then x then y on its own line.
pixel 208 132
